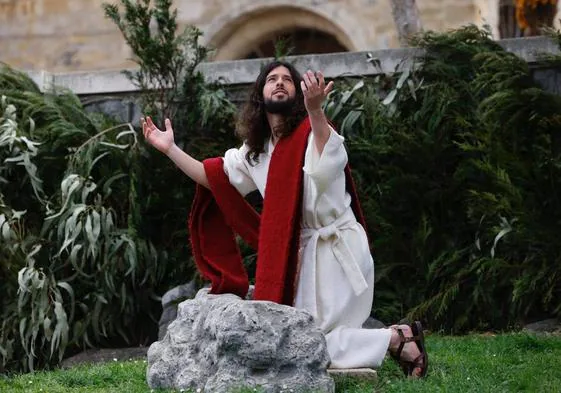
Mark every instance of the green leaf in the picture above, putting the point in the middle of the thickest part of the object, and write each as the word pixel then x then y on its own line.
pixel 349 121
pixel 89 231
pixel 390 97
pixel 114 145
pixel 96 227
pixel 72 228
pixel 34 250
pixel 123 296
pixel 96 160
pixel 7 233
pixel 22 326
pixel 87 189
pixel 47 328
pixel 69 185
pixel 60 334
pixel 78 264
pixel 411 86
pixel 16 215
pixel 403 77
pixel 68 288
pixel 107 185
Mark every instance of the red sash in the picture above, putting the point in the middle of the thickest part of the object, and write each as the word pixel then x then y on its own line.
pixel 221 212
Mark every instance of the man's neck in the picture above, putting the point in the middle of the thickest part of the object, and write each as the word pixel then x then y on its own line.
pixel 275 120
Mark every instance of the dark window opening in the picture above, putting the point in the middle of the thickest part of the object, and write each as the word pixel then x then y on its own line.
pixel 524 22
pixel 508 25
pixel 297 42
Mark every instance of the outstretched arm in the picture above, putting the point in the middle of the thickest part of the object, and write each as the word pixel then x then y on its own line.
pixel 164 142
pixel 315 91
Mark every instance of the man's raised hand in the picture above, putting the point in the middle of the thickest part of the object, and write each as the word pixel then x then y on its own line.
pixel 161 140
pixel 314 89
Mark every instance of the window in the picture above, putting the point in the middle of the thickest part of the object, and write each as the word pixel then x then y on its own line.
pixel 519 18
pixel 508 26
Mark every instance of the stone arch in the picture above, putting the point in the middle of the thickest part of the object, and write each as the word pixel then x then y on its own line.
pixel 300 40
pixel 237 34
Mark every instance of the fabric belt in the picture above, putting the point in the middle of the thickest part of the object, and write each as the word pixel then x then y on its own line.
pixel 332 234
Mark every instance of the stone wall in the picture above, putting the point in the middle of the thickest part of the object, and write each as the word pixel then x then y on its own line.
pixel 111 92
pixel 59 35
pixel 74 35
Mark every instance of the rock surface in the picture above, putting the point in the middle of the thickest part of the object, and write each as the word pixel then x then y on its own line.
pixel 220 343
pixel 357 374
pixel 373 323
pixel 170 300
pixel 173 297
pixel 551 325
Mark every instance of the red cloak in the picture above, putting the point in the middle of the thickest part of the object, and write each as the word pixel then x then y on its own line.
pixel 220 213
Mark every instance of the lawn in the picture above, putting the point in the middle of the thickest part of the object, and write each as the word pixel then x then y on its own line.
pixel 475 363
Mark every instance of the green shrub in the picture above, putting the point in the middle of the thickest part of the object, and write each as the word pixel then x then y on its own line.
pixel 171 86
pixel 458 158
pixel 93 223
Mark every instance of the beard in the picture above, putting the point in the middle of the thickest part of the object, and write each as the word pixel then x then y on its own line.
pixel 283 107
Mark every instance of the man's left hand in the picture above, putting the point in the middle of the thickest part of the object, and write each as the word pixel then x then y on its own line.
pixel 314 89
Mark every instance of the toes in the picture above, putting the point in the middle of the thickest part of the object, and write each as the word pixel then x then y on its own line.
pixel 417 372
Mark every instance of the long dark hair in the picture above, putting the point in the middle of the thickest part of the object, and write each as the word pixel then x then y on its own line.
pixel 253 126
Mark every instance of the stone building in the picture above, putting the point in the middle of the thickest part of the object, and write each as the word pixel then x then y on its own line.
pixel 74 35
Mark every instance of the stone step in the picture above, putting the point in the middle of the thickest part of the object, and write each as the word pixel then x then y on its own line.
pixel 362 374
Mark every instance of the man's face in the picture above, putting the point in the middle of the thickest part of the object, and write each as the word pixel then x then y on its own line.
pixel 279 91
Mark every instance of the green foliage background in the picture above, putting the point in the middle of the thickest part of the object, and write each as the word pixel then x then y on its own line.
pixel 458 159
pixel 93 223
pixel 456 156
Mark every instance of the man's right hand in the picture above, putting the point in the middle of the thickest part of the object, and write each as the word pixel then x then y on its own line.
pixel 161 140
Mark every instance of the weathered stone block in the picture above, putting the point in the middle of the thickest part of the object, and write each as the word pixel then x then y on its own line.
pixel 170 302
pixel 221 342
pixel 360 374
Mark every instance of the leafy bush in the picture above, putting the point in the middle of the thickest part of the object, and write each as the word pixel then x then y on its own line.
pixel 171 86
pixel 458 158
pixel 92 222
pixel 75 272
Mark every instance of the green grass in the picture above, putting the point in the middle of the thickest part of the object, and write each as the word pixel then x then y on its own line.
pixel 120 377
pixel 503 363
pixel 476 363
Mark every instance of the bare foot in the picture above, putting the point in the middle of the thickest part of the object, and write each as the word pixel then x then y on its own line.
pixel 410 351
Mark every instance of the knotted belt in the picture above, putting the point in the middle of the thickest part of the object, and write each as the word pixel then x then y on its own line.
pixel 332 234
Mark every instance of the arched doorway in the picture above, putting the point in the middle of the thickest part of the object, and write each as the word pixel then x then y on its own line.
pixel 299 41
pixel 253 34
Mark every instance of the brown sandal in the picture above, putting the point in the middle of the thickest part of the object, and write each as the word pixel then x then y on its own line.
pixel 422 361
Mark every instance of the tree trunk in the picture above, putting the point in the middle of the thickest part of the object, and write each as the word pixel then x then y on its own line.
pixel 406 18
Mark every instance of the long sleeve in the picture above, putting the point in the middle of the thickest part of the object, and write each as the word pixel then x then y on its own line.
pixel 236 168
pixel 325 168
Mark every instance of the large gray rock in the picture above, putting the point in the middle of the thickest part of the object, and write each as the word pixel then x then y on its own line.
pixel 174 296
pixel 373 323
pixel 170 300
pixel 219 343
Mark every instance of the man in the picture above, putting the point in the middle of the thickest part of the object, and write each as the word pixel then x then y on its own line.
pixel 313 253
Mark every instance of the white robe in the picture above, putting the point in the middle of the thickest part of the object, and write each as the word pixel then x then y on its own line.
pixel 336 279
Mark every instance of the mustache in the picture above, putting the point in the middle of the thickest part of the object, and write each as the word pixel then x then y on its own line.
pixel 281 89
